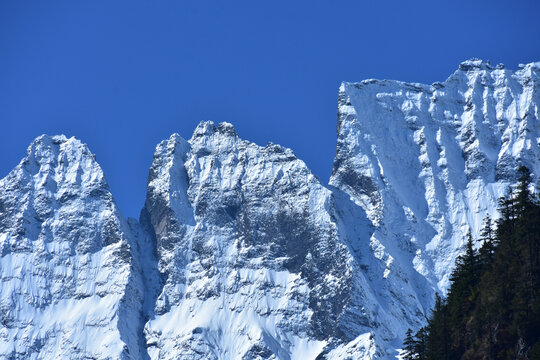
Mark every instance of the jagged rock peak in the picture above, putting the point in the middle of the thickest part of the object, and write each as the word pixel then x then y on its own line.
pixel 475 64
pixel 247 239
pixel 174 144
pixel 209 128
pixel 56 144
pixel 468 67
pixel 66 160
pixel 473 68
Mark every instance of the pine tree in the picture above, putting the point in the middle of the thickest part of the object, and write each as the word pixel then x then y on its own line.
pixel 410 346
pixel 438 339
pixel 420 348
pixel 487 237
pixel 467 264
pixel 524 200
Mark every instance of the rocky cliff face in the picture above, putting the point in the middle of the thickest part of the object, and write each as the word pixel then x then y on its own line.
pixel 253 261
pixel 427 163
pixel 242 253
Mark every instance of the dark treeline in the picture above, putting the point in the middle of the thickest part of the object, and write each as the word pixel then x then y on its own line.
pixel 492 310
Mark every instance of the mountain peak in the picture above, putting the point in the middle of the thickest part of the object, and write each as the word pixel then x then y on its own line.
pixel 207 128
pixel 227 129
pixel 56 139
pixel 475 64
pixel 47 146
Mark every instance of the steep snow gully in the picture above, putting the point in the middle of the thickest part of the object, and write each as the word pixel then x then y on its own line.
pixel 242 253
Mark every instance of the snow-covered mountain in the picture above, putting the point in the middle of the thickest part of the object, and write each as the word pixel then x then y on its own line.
pixel 68 285
pixel 242 253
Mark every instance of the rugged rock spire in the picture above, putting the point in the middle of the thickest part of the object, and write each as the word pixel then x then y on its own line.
pixel 248 243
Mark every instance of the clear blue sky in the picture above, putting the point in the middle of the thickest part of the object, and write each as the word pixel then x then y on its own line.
pixel 123 75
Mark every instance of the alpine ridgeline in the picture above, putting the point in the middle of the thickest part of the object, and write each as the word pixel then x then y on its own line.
pixel 242 253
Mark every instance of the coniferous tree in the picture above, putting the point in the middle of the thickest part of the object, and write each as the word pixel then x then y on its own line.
pixel 409 346
pixel 438 338
pixel 487 238
pixel 420 348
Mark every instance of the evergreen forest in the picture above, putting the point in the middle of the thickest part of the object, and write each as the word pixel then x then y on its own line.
pixel 492 309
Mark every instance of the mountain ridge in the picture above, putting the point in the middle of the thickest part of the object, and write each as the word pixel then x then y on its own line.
pixel 242 252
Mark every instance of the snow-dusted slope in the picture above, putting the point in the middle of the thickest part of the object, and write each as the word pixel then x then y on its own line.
pixel 67 286
pixel 427 163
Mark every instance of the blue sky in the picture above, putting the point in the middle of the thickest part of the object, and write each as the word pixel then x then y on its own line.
pixel 123 75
